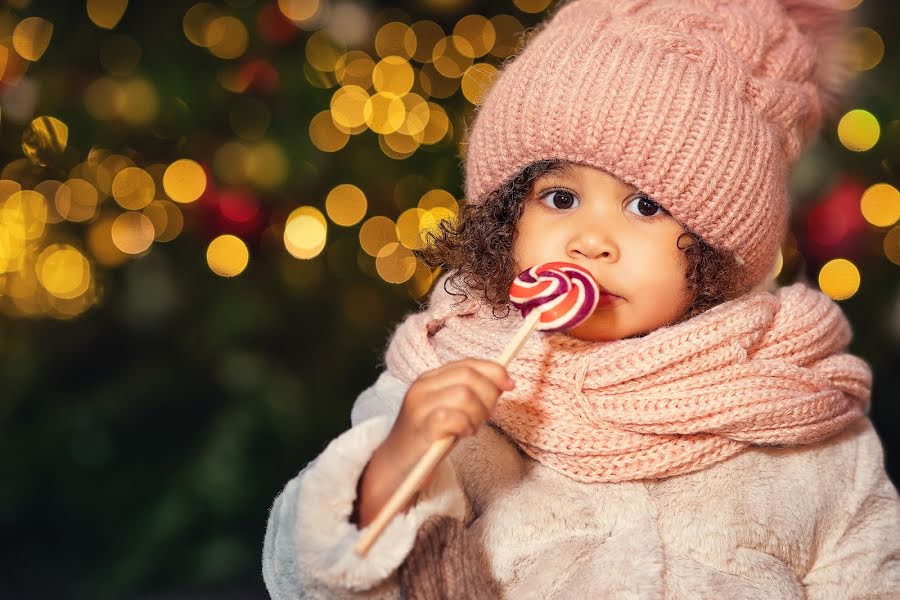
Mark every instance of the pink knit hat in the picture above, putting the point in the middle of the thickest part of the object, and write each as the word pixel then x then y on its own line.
pixel 702 104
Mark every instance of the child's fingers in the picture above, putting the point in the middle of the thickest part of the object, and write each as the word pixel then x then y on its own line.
pixel 444 421
pixel 469 367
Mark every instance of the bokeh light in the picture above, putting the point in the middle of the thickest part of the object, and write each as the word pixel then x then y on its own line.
pixel 184 181
pixel 376 233
pixel 880 205
pixel 325 135
pixel 395 263
pixel 866 49
pixel 858 130
pixel 305 232
pixel 839 279
pixel 63 271
pixel 346 205
pixel 44 140
pixel 133 188
pixel 31 37
pixel 132 232
pixel 106 13
pixel 227 255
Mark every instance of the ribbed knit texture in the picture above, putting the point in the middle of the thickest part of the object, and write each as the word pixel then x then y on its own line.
pixel 764 369
pixel 702 104
pixel 446 563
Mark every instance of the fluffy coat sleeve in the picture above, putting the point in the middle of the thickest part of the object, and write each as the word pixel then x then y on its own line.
pixel 858 555
pixel 308 545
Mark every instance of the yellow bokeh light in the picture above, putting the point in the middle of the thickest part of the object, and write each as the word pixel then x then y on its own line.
pixel 133 188
pixel 376 233
pixel 417 115
pixel 196 22
pixel 227 37
pixel 184 181
pixel 384 112
pixel 305 232
pixel 433 222
pixel 477 80
pixel 858 130
pixel 435 83
pixel 324 135
pixel 393 74
pixel 479 34
pixel 354 69
pixel 452 56
pixel 409 227
pixel 48 189
pixel 439 198
pixel 348 107
pixel 166 218
pixel 395 38
pixel 509 35
pixel 132 232
pixel 865 49
pixel 427 34
pixel 44 140
pixel 107 170
pixel 880 205
pixel 322 52
pixel 531 6
pixel 346 204
pixel 63 271
pixel 438 125
pixel 227 255
pixel 421 281
pixel 299 10
pixel 25 215
pixel 139 102
pixel 31 37
pixel 100 243
pixel 76 200
pixel 399 145
pixel 395 263
pixel 839 279
pixel 106 13
pixel 892 245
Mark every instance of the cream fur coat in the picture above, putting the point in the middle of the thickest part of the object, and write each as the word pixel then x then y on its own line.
pixel 821 522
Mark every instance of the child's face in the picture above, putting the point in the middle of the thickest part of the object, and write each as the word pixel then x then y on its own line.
pixel 584 215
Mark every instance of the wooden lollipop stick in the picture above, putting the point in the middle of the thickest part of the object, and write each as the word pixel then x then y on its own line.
pixel 435 453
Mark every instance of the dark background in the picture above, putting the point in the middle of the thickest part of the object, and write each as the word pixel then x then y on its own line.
pixel 144 439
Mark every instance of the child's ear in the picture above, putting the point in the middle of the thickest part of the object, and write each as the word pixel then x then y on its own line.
pixel 685 241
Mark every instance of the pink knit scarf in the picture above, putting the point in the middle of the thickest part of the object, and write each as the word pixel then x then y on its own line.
pixel 764 369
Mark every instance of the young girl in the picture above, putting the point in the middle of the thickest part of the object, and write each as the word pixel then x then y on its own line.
pixel 699 436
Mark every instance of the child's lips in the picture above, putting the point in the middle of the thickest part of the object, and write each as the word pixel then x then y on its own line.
pixel 606 299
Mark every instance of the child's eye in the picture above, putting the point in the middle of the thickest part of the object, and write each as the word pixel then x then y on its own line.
pixel 560 199
pixel 645 206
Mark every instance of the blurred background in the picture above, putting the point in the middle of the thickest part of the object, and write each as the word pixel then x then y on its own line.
pixel 207 218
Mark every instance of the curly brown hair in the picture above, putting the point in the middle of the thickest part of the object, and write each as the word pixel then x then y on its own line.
pixel 477 249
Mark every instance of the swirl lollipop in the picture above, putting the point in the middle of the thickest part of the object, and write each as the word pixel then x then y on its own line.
pixel 563 293
pixel 552 297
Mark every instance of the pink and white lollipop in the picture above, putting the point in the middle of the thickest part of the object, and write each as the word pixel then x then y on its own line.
pixel 564 294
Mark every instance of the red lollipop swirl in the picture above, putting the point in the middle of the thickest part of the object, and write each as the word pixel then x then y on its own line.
pixel 564 293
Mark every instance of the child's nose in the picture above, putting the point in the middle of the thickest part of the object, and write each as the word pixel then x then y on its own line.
pixel 593 243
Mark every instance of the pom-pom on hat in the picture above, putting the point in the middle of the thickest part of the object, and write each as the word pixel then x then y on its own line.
pixel 702 104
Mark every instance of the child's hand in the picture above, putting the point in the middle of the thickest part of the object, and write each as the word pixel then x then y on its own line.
pixel 455 399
